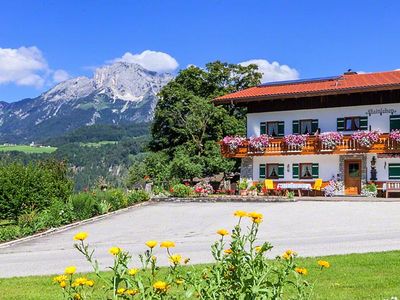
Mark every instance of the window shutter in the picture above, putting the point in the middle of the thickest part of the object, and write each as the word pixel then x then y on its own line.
pixel 295 170
pixel 394 171
pixel 263 128
pixel 314 126
pixel 394 122
pixel 262 171
pixel 315 170
pixel 364 123
pixel 340 124
pixel 295 127
pixel 281 128
pixel 281 171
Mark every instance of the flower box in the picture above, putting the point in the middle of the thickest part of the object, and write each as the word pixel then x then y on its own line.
pixel 330 140
pixel 296 141
pixel 395 135
pixel 233 142
pixel 366 138
pixel 259 143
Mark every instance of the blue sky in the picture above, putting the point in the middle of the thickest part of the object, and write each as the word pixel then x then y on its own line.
pixel 43 42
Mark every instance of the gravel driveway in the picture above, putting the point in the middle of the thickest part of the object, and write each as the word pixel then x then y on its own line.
pixel 310 228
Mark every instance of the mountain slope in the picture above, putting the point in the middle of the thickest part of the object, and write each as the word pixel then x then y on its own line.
pixel 117 94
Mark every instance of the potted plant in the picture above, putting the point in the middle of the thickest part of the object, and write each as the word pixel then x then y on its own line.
pixel 253 190
pixel 243 187
pixel 259 143
pixel 330 140
pixel 296 141
pixel 366 138
pixel 233 142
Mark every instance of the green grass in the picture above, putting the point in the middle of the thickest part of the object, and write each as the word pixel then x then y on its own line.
pixel 27 149
pixel 354 276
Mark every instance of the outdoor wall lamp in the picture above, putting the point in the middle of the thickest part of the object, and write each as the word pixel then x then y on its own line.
pixel 288 167
pixel 384 166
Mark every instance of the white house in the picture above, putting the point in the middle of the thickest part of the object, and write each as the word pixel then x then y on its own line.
pixel 345 104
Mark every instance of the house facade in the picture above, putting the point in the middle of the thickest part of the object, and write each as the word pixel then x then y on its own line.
pixel 361 111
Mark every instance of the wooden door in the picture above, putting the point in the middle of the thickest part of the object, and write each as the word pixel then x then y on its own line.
pixel 352 177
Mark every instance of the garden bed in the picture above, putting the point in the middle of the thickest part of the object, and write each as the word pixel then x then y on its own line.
pixel 223 198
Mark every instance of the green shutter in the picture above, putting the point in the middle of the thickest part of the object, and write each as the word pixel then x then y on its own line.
pixel 364 123
pixel 295 170
pixel 263 128
pixel 340 124
pixel 315 170
pixel 262 171
pixel 295 127
pixel 394 122
pixel 281 171
pixel 281 128
pixel 394 171
pixel 314 126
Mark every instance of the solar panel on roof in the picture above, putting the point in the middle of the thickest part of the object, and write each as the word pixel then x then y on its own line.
pixel 286 82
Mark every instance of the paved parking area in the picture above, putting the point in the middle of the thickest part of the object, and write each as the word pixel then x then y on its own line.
pixel 310 228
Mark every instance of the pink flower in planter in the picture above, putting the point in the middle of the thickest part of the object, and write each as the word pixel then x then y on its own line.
pixel 259 143
pixel 395 135
pixel 366 138
pixel 233 142
pixel 296 140
pixel 330 139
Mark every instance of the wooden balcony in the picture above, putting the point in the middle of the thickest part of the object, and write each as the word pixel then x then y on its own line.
pixel 277 146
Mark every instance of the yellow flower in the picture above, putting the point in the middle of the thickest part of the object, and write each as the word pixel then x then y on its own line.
pixel 160 286
pixel 77 297
pixel 121 291
pixel 257 248
pixel 70 270
pixel 154 258
pixel 240 213
pixel 81 236
pixel 257 220
pixel 132 292
pixel 63 284
pixel 115 250
pixel 324 264
pixel 151 244
pixel 257 217
pixel 301 271
pixel 133 271
pixel 60 278
pixel 175 259
pixel 288 254
pixel 80 281
pixel 179 281
pixel 228 251
pixel 167 244
pixel 89 283
pixel 222 232
pixel 187 260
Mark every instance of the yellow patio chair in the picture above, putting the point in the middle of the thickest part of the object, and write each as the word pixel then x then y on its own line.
pixel 269 185
pixel 317 186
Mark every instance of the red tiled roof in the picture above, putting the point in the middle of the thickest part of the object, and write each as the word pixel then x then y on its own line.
pixel 347 83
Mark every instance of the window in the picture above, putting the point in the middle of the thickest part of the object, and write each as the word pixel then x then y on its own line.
pixel 394 171
pixel 354 170
pixel 305 126
pixel 394 122
pixel 306 171
pixel 352 123
pixel 272 171
pixel 272 128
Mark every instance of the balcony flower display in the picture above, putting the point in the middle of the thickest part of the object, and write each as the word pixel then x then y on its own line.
pixel 233 142
pixel 395 135
pixel 330 139
pixel 259 143
pixel 366 138
pixel 297 141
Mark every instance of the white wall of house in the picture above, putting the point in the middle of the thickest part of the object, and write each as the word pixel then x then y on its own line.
pixel 327 117
pixel 382 167
pixel 328 165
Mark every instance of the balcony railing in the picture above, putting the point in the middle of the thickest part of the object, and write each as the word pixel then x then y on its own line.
pixel 277 146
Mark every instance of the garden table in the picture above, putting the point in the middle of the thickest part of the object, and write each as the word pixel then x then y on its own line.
pixel 295 186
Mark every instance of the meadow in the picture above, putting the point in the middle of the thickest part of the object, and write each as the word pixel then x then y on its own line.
pixel 27 149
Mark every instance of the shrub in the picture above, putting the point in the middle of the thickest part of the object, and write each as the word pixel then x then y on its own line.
pixel 138 196
pixel 10 232
pixel 181 191
pixel 83 205
pixel 116 198
pixel 369 190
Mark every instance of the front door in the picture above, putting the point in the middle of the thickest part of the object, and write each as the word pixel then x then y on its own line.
pixel 352 177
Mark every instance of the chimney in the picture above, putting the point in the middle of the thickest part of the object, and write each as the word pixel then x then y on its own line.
pixel 350 72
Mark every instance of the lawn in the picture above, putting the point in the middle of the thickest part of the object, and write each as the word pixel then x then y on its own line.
pixel 27 149
pixel 354 276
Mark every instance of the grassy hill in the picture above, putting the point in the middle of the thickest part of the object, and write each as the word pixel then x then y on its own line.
pixel 27 149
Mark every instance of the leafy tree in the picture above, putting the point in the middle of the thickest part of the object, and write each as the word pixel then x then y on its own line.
pixel 186 166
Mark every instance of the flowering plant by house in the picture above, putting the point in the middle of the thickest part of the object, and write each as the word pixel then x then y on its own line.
pixel 233 142
pixel 241 270
pixel 395 135
pixel 259 143
pixel 334 188
pixel 366 138
pixel 330 139
pixel 203 189
pixel 296 141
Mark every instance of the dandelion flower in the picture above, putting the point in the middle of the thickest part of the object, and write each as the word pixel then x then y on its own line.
pixel 89 283
pixel 115 250
pixel 222 232
pixel 63 284
pixel 70 270
pixel 60 278
pixel 121 291
pixel 257 248
pixel 167 244
pixel 288 254
pixel 151 244
pixel 175 259
pixel 81 236
pixel 324 264
pixel 240 213
pixel 133 271
pixel 228 251
pixel 160 286
pixel 301 271
pixel 179 281
pixel 80 281
pixel 132 292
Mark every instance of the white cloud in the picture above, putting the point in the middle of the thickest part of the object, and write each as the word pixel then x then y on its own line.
pixel 273 71
pixel 27 66
pixel 60 75
pixel 151 60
